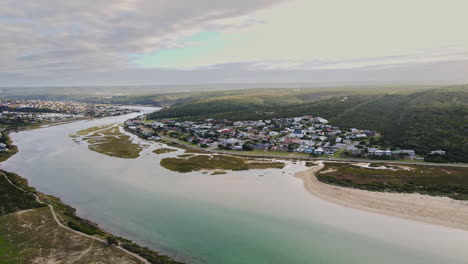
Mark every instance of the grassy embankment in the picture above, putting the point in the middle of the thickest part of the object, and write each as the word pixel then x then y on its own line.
pixel 431 180
pixel 110 141
pixel 216 162
pixel 420 118
pixel 29 234
pixel 12 149
pixel 33 236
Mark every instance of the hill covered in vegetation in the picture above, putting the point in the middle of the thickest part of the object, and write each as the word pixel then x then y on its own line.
pixel 423 119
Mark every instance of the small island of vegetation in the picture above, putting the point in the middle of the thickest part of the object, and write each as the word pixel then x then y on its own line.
pixel 109 140
pixel 216 162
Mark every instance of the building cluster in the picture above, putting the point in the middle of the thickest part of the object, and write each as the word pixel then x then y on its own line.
pixel 304 134
pixel 38 110
pixel 69 107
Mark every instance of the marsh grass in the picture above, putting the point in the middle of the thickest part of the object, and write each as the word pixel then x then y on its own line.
pixel 215 162
pixel 110 141
pixel 431 180
pixel 163 150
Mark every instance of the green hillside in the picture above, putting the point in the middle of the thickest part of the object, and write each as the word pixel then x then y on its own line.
pixel 422 119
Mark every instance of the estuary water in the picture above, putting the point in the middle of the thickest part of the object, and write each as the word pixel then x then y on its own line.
pixel 245 217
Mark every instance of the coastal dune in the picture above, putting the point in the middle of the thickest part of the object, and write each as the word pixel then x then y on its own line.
pixel 429 209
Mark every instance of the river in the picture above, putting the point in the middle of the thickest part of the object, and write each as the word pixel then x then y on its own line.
pixel 245 217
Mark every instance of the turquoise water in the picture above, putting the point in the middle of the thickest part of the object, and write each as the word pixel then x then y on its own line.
pixel 220 219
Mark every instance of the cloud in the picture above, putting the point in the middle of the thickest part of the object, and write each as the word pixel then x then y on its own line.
pixel 57 35
pixel 203 41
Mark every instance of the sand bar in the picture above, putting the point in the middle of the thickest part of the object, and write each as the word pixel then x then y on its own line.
pixel 429 209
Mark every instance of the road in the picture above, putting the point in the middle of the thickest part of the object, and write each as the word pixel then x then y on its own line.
pixel 293 156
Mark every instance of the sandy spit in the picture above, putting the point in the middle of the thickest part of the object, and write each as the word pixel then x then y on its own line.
pixel 424 208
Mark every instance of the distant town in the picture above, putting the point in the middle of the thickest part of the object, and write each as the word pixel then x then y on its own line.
pixel 305 134
pixel 15 114
pixel 36 111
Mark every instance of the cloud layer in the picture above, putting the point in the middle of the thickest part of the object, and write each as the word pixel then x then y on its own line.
pixel 86 42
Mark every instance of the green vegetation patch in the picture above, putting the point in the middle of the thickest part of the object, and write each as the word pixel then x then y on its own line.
pixel 266 165
pixel 8 253
pixel 185 155
pixel 34 237
pixel 204 162
pixel 163 150
pixel 431 180
pixel 216 162
pixel 419 118
pixel 67 215
pixel 13 199
pixel 12 149
pixel 110 141
pixel 90 130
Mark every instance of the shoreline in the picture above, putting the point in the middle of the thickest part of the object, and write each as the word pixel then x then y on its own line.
pixel 422 208
pixel 293 155
pixel 134 249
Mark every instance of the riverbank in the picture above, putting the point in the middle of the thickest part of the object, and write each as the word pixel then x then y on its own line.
pixel 66 218
pixel 429 209
pixel 291 155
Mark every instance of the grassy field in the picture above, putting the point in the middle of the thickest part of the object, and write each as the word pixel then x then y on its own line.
pixel 163 150
pixel 32 236
pixel 216 162
pixel 432 180
pixel 110 141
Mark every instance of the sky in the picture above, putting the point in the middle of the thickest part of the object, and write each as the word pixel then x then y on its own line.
pixel 151 42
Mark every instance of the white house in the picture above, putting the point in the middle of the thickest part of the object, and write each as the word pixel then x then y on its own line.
pixel 361 136
pixel 273 133
pixel 298 133
pixel 232 141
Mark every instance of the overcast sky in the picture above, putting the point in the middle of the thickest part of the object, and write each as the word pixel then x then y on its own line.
pixel 112 42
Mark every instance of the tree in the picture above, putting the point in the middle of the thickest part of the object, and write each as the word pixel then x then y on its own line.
pixel 112 241
pixel 247 147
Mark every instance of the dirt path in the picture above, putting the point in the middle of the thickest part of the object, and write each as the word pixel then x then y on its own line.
pixel 456 100
pixel 54 215
pixel 83 253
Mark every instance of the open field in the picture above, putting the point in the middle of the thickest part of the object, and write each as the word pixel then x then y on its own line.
pixel 431 180
pixel 110 141
pixel 158 95
pixel 32 236
pixel 216 162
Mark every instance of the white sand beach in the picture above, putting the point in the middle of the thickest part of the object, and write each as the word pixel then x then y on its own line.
pixel 434 210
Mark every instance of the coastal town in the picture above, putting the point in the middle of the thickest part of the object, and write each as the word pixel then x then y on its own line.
pixel 16 114
pixel 38 111
pixel 309 135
